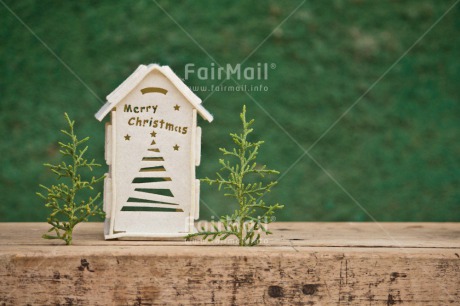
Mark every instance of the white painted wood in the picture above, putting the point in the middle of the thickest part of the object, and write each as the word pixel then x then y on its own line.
pixel 170 205
pixel 153 197
pixel 145 236
pixel 107 196
pixel 193 205
pixel 108 143
pixel 137 76
pixel 113 167
pixel 153 147
pixel 197 199
pixel 198 146
pixel 156 174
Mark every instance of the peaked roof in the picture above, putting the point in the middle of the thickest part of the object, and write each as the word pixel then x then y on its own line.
pixel 137 76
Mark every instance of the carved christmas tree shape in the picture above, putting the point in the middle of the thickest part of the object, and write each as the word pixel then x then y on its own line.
pixel 147 191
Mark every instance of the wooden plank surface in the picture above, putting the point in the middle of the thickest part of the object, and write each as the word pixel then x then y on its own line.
pixel 302 263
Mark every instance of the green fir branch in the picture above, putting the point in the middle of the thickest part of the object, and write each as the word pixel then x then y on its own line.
pixel 250 219
pixel 66 213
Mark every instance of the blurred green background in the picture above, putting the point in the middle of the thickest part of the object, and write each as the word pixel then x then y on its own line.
pixel 396 153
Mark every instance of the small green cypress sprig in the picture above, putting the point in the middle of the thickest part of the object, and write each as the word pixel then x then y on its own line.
pixel 61 198
pixel 253 214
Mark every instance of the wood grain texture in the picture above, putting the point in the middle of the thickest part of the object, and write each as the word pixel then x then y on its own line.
pixel 301 264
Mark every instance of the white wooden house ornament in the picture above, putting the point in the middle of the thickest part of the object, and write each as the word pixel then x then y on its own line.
pixel 152 148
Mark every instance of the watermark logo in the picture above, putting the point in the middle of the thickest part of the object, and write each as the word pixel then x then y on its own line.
pixel 259 73
pixel 229 88
pixel 227 72
pixel 214 226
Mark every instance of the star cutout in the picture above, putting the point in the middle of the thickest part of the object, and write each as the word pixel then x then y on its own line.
pixel 176 107
pixel 153 134
pixel 176 148
pixel 127 137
